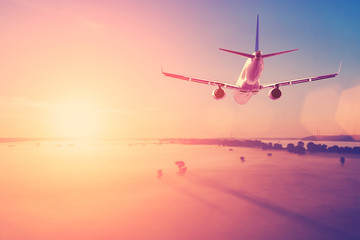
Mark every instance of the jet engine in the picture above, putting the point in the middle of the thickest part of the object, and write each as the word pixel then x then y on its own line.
pixel 218 93
pixel 275 93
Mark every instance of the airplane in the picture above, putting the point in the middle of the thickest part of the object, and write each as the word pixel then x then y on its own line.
pixel 248 83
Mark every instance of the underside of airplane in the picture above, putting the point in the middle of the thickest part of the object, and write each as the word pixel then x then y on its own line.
pixel 248 83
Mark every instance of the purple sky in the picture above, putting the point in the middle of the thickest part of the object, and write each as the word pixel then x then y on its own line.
pixel 92 68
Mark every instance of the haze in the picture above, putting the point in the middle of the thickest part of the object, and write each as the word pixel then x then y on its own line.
pixel 88 70
pixel 92 68
pixel 109 190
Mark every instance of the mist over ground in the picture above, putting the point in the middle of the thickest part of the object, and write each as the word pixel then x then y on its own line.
pixel 112 190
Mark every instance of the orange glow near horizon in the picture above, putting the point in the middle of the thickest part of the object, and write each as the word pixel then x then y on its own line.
pixel 62 59
pixel 76 119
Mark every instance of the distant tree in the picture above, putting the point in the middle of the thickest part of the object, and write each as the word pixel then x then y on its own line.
pixel 323 148
pixel 290 147
pixel 278 146
pixel 356 150
pixel 348 149
pixel 299 150
pixel 301 143
pixel 311 147
pixel 334 149
pixel 342 161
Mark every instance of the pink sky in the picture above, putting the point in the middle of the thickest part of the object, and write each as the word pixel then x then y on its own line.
pixel 92 68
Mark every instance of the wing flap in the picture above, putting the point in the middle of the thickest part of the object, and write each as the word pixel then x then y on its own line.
pixel 297 81
pixel 176 76
pixel 197 80
pixel 323 77
pixel 301 80
pixel 202 81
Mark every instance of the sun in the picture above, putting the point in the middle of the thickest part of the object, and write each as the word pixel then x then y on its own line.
pixel 76 120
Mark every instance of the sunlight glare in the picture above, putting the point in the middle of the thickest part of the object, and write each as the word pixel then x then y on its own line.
pixel 76 120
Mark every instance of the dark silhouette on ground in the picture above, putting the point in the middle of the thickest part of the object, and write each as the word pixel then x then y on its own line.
pixel 159 173
pixel 182 167
pixel 182 171
pixel 311 147
pixel 180 164
pixel 299 148
pixel 342 161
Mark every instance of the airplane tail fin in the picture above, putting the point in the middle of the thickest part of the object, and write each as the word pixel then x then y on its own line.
pixel 251 56
pixel 277 53
pixel 257 35
pixel 257 47
pixel 256 44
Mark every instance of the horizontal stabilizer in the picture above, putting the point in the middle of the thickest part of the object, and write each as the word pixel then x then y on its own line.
pixel 277 53
pixel 238 53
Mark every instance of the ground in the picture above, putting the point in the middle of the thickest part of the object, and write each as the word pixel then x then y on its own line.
pixel 110 190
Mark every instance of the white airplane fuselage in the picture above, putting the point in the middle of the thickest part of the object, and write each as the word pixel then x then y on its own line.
pixel 249 78
pixel 248 83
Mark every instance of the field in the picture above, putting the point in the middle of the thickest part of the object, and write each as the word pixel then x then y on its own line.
pixel 110 190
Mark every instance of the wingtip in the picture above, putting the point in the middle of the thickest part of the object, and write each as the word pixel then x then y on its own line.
pixel 339 67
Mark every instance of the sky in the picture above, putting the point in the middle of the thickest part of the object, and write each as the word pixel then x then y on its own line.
pixel 92 68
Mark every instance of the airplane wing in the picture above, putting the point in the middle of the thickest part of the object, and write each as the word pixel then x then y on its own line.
pixel 203 81
pixel 301 80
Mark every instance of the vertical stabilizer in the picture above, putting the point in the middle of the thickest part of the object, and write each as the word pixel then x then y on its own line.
pixel 257 35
